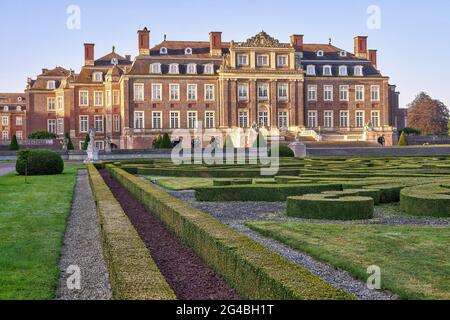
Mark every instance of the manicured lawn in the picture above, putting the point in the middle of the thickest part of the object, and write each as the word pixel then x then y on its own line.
pixel 414 261
pixel 179 183
pixel 32 224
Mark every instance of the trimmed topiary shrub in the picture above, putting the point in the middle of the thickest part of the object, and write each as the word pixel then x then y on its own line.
pixel 403 141
pixel 69 142
pixel 85 144
pixel 165 142
pixel 14 145
pixel 39 162
pixel 332 206
pixel 430 200
pixel 42 135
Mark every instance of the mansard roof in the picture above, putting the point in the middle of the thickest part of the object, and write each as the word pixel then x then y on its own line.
pixel 107 60
pixel 56 74
pixel 176 49
pixel 142 66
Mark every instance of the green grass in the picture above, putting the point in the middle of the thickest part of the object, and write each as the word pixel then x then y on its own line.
pixel 181 183
pixel 414 261
pixel 33 219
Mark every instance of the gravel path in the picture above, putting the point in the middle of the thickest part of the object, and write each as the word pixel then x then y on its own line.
pixel 6 168
pixel 83 248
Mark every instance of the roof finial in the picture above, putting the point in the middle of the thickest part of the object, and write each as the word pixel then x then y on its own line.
pixel 114 49
pixel 165 37
pixel 329 40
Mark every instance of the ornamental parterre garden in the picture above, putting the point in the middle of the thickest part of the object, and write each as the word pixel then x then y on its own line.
pixel 225 232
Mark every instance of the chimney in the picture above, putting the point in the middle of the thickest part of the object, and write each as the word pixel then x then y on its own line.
pixel 89 54
pixel 373 57
pixel 144 42
pixel 297 42
pixel 361 47
pixel 215 43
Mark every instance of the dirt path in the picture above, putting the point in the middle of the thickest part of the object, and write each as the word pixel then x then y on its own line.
pixel 186 274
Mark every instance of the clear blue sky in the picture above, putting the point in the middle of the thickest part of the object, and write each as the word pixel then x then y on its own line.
pixel 413 41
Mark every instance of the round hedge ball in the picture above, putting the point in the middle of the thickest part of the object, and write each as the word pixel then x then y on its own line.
pixel 40 162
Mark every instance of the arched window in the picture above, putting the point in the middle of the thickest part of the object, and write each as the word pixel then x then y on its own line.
pixel 19 108
pixel 343 71
pixel 188 51
pixel 51 85
pixel 98 77
pixel 320 53
pixel 173 69
pixel 358 72
pixel 311 70
pixel 327 71
pixel 163 50
pixel 192 68
pixel 209 69
pixel 156 68
pixel 6 108
pixel 343 53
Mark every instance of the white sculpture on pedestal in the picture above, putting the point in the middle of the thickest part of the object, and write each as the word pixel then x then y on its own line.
pixel 298 148
pixel 92 151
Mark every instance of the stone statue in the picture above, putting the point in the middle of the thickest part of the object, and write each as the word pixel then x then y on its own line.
pixel 108 144
pixel 92 151
pixel 65 144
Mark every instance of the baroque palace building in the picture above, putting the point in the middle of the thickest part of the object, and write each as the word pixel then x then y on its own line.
pixel 316 91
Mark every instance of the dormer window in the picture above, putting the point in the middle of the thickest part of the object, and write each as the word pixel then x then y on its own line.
pixel 192 68
pixel 320 53
pixel 173 68
pixel 163 50
pixel 343 71
pixel 114 61
pixel 20 99
pixel 188 51
pixel 98 77
pixel 209 69
pixel 311 70
pixel 51 85
pixel 19 108
pixel 6 108
pixel 156 68
pixel 343 54
pixel 327 71
pixel 358 71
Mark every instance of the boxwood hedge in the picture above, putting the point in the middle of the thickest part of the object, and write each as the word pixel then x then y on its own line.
pixel 132 271
pixel 251 269
pixel 426 200
pixel 39 162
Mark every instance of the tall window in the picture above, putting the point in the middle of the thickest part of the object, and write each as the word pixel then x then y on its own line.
pixel 328 119
pixel 84 98
pixel 192 92
pixel 262 60
pixel 208 69
pixel 19 135
pixel 139 120
pixel 5 121
pixel 312 93
pixel 359 93
pixel 51 104
pixel 283 120
pixel 343 119
pixel 5 135
pixel 359 119
pixel 174 92
pixel 192 68
pixel 311 70
pixel 343 93
pixel 98 98
pixel 60 103
pixel 157 120
pixel 358 71
pixel 98 77
pixel 327 71
pixel 156 92
pixel 138 92
pixel 375 119
pixel 51 125
pixel 282 91
pixel 282 61
pixel 375 93
pixel 174 120
pixel 116 97
pixel 242 60
pixel 263 118
pixel 156 68
pixel 108 98
pixel 116 123
pixel 243 119
pixel 263 91
pixel 192 120
pixel 312 119
pixel 19 121
pixel 173 68
pixel 209 120
pixel 84 124
pixel 243 92
pixel 209 92
pixel 51 85
pixel 100 145
pixel 328 93
pixel 343 71
pixel 98 120
pixel 60 126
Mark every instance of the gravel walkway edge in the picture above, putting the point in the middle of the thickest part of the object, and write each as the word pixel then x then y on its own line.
pixel 82 248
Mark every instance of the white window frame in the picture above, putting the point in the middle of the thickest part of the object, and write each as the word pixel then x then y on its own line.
pixel 188 51
pixel 326 91
pixel 99 145
pixel 359 118
pixel 174 68
pixel 60 126
pixel 5 135
pixel 116 97
pixel 210 92
pixel 108 95
pixel 208 68
pixel 156 68
pixel 280 91
pixel 141 118
pixel 157 120
pixel 176 96
pixel 375 93
pixel 84 119
pixel 97 77
pixel 312 119
pixel 60 103
pixel 116 123
pixel 98 98
pixel 283 119
pixel 266 60
pixel 343 71
pixel 328 119
pixel 267 89
pixel 360 93
pixel 282 60
pixel 377 117
pixel 311 70
pixel 5 121
pixel 191 68
pixel 358 71
pixel 344 92
pixel 343 119
pixel 96 117
pixel 19 135
pixel 210 119
pixel 243 88
pixel 172 118
pixel 242 59
pixel 51 125
pixel 326 73
pixel 51 104
pixel 191 92
pixel 51 85
pixel 243 119
pixel 163 50
pixel 156 95
pixel 263 118
pixel 320 53
pixel 194 123
pixel 138 92
pixel 19 121
pixel 312 92
pixel 83 98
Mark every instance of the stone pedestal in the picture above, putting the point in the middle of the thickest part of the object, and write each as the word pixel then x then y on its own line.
pixel 299 149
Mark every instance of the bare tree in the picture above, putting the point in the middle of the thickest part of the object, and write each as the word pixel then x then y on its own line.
pixel 428 115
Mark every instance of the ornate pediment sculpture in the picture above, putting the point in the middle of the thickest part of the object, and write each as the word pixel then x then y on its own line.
pixel 262 40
